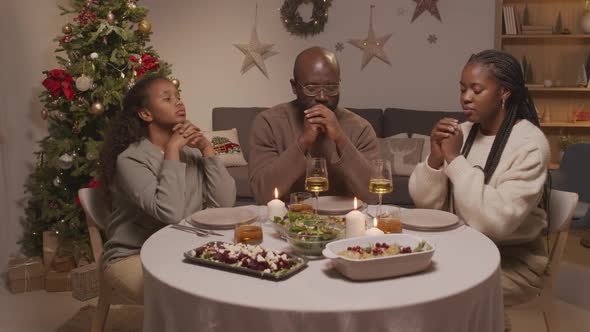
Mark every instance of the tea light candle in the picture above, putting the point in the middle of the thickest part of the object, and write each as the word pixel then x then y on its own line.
pixel 276 207
pixel 374 231
pixel 355 222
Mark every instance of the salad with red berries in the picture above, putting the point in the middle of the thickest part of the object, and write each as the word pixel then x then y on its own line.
pixel 246 256
pixel 382 250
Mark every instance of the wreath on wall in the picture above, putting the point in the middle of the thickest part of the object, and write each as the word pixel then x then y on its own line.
pixel 294 23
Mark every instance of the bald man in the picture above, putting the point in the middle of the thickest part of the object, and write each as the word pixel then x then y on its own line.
pixel 284 136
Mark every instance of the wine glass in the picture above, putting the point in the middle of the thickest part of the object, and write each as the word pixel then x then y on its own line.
pixel 380 182
pixel 316 178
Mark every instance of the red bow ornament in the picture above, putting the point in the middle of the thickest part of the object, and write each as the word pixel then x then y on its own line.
pixel 59 81
pixel 146 62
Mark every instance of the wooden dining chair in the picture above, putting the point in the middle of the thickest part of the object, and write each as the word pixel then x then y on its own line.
pixel 561 209
pixel 96 211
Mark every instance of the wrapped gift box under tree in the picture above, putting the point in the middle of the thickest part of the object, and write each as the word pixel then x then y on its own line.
pixel 26 274
pixel 58 281
pixel 85 282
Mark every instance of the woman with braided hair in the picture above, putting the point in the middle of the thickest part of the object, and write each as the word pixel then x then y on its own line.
pixel 491 170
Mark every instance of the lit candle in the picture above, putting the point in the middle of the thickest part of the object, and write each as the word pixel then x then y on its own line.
pixel 355 222
pixel 373 231
pixel 276 207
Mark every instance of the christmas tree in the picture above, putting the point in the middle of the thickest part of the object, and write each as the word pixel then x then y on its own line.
pixel 102 52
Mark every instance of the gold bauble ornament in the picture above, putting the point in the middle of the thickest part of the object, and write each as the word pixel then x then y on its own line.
pixel 176 82
pixel 66 29
pixel 144 26
pixel 97 108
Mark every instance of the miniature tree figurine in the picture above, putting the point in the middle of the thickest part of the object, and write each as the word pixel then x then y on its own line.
pixel 559 24
pixel 526 20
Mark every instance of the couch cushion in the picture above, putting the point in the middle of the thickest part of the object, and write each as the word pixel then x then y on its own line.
pixel 240 118
pixel 403 153
pixel 397 120
pixel 373 115
pixel 227 146
pixel 240 175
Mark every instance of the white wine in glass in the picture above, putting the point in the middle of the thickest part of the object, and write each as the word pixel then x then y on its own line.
pixel 316 178
pixel 380 182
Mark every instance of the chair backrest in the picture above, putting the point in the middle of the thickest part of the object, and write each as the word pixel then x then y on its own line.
pixel 94 207
pixel 561 209
pixel 574 166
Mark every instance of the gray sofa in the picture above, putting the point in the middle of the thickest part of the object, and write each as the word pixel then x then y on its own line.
pixel 388 122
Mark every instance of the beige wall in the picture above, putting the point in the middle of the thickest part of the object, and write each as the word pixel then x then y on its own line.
pixel 196 36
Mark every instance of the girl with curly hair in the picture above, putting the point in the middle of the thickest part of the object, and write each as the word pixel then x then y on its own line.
pixel 157 168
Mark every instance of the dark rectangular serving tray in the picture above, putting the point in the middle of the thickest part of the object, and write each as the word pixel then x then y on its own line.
pixel 302 264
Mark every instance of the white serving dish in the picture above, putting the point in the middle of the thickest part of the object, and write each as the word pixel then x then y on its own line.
pixel 379 267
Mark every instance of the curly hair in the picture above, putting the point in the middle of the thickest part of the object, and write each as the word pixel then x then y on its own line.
pixel 126 127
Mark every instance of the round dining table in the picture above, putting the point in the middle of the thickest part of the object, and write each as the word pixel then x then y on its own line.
pixel 460 291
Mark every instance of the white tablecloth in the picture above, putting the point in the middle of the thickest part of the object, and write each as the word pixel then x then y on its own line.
pixel 461 291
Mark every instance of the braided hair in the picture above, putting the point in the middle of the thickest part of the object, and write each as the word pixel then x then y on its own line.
pixel 506 70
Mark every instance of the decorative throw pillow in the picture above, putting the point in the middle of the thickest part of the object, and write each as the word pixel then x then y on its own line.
pixel 403 153
pixel 426 148
pixel 227 146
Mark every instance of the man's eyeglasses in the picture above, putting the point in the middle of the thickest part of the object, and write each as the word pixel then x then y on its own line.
pixel 312 90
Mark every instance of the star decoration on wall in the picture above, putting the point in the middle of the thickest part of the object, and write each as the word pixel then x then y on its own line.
pixel 255 52
pixel 426 5
pixel 339 47
pixel 372 46
pixel 432 38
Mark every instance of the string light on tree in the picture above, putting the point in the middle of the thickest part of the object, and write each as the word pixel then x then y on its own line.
pixel 44 114
pixel 111 18
pixel 76 128
pixel 57 115
pixel 57 181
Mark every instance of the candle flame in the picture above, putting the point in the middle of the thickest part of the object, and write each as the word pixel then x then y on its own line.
pixel 276 193
pixel 374 222
pixel 355 203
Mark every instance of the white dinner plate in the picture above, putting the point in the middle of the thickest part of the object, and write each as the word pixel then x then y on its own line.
pixel 222 218
pixel 336 205
pixel 427 219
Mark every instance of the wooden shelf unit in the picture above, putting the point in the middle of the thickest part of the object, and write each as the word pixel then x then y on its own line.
pixel 547 36
pixel 555 57
pixel 564 124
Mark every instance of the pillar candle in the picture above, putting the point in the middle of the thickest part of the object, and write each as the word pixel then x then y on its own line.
pixel 355 222
pixel 276 207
